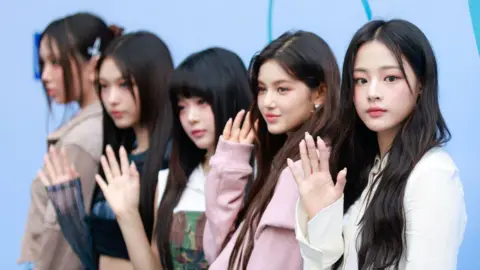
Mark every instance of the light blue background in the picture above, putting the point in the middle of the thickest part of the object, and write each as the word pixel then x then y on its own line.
pixel 245 27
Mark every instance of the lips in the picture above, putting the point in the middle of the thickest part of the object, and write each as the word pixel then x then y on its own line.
pixel 51 92
pixel 270 117
pixel 197 133
pixel 376 112
pixel 116 114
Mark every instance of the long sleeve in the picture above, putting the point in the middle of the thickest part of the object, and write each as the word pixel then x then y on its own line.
pixel 435 218
pixel 44 242
pixel 320 239
pixel 68 201
pixel 224 192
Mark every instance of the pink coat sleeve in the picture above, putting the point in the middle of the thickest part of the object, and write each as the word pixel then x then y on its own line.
pixel 224 192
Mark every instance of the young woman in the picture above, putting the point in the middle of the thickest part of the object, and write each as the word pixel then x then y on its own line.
pixel 295 81
pixel 68 53
pixel 403 202
pixel 132 80
pixel 206 90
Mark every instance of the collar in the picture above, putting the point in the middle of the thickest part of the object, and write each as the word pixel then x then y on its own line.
pixel 92 110
pixel 379 163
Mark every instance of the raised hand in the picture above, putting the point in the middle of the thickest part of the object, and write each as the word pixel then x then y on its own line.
pixel 234 133
pixel 57 169
pixel 123 188
pixel 315 184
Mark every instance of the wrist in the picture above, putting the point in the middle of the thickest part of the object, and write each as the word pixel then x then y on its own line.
pixel 127 215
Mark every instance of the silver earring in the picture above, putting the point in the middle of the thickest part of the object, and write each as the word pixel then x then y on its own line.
pixel 317 106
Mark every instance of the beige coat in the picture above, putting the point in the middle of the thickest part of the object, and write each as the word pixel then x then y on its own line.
pixel 43 243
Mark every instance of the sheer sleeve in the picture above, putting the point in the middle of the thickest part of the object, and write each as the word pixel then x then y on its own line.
pixel 71 201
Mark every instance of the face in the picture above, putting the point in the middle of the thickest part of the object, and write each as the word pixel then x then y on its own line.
pixel 116 94
pixel 198 121
pixel 284 102
pixel 52 73
pixel 382 97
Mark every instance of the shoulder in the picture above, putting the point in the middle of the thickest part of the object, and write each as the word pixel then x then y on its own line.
pixel 436 174
pixel 87 134
pixel 435 161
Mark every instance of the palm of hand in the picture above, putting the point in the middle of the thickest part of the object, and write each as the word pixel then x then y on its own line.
pixel 122 194
pixel 123 189
pixel 315 185
pixel 316 192
pixel 57 168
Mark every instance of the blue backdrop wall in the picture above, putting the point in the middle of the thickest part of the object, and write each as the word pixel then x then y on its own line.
pixel 244 26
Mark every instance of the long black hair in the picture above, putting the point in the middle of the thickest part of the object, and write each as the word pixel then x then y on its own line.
pixel 145 61
pixel 383 224
pixel 309 59
pixel 220 78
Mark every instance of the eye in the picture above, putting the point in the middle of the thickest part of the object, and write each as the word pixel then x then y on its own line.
pixel 261 89
pixel 283 89
pixel 180 108
pixel 201 102
pixel 102 86
pixel 360 81
pixel 125 85
pixel 56 62
pixel 391 78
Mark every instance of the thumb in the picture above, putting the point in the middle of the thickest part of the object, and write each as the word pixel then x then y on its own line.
pixel 341 180
pixel 101 183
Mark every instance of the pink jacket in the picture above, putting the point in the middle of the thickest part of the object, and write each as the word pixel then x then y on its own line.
pixel 275 245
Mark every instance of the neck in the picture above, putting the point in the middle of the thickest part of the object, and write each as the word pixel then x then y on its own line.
pixel 89 97
pixel 385 140
pixel 206 162
pixel 143 140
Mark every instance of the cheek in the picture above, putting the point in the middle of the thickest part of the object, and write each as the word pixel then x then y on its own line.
pixel 260 98
pixel 403 100
pixel 183 120
pixel 209 117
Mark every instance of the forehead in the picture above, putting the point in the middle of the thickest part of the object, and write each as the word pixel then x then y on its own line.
pixel 271 71
pixel 109 70
pixel 48 47
pixel 373 55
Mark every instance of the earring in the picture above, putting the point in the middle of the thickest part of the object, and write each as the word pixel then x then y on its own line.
pixel 317 106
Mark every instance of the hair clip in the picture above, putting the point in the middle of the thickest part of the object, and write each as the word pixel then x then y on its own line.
pixel 94 50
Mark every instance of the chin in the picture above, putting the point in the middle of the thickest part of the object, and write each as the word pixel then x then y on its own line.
pixel 275 129
pixel 59 100
pixel 376 127
pixel 203 143
pixel 121 124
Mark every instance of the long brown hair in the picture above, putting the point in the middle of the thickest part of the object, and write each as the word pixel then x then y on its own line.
pixel 307 58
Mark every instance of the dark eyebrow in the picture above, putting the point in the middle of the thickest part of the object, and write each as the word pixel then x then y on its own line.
pixel 360 69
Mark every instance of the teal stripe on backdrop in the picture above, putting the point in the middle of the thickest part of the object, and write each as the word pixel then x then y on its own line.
pixel 475 15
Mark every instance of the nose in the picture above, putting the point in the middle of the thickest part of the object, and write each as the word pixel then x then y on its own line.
pixel 373 91
pixel 192 114
pixel 269 99
pixel 113 96
pixel 46 73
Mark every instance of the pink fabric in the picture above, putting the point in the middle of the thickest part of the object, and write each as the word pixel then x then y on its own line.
pixel 275 245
